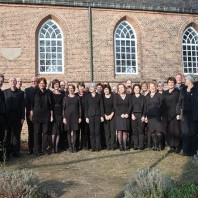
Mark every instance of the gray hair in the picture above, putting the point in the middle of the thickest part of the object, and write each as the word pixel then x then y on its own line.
pixel 190 77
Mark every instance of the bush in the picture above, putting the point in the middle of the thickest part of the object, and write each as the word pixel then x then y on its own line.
pixel 23 184
pixel 188 190
pixel 148 183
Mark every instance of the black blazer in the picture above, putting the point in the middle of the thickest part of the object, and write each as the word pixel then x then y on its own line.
pixel 29 96
pixel 94 105
pixel 15 103
pixel 143 104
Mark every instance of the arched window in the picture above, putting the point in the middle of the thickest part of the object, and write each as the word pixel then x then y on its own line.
pixel 190 51
pixel 50 48
pixel 125 49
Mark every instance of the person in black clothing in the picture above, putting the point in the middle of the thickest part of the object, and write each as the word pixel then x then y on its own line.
pixel 187 108
pixel 41 114
pixel 57 125
pixel 72 116
pixel 122 106
pixel 94 113
pixel 15 115
pixel 2 117
pixel 153 117
pixel 29 95
pixel 170 101
pixel 109 122
pixel 83 138
pixel 138 116
pixel 19 85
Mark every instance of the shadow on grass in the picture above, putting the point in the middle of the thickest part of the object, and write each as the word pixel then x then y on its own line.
pixel 57 188
pixel 121 194
pixel 32 166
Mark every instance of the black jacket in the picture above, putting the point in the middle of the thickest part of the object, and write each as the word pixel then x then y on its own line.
pixel 194 99
pixel 143 104
pixel 42 105
pixel 94 105
pixel 15 103
pixel 29 96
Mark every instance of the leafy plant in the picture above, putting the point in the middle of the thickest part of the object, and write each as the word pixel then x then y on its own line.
pixel 148 183
pixel 20 183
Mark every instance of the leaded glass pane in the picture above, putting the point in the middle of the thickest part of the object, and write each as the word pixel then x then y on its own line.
pixel 125 36
pixel 50 42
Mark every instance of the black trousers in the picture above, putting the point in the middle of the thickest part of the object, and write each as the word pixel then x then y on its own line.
pixel 2 134
pixel 189 130
pixel 40 136
pixel 30 134
pixel 110 133
pixel 83 137
pixel 94 127
pixel 137 131
pixel 13 131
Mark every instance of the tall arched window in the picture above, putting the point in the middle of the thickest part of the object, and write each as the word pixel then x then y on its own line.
pixel 125 49
pixel 50 48
pixel 190 51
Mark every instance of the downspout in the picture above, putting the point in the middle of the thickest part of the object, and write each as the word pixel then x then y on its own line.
pixel 90 44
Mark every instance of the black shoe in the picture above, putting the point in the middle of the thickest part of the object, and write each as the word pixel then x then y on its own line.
pixel 120 147
pixel 141 148
pixel 16 155
pixel 92 150
pixel 177 150
pixel 135 148
pixel 30 152
pixel 172 150
pixel 39 153
pixel 98 149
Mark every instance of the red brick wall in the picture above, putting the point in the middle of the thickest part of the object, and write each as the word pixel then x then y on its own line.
pixel 159 41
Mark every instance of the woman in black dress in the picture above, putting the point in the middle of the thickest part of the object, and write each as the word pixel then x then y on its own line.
pixel 41 115
pixel 170 100
pixel 188 109
pixel 71 116
pixel 155 129
pixel 122 105
pixel 138 116
pixel 57 125
pixel 109 123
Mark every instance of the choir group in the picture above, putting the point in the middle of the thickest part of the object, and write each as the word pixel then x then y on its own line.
pixel 99 116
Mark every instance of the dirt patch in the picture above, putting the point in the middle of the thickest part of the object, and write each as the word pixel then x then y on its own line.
pixel 100 174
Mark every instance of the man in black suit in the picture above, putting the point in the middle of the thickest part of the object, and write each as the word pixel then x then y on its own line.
pixel 94 113
pixel 15 115
pixel 2 117
pixel 29 95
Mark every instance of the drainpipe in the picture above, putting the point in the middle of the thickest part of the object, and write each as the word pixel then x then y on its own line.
pixel 91 44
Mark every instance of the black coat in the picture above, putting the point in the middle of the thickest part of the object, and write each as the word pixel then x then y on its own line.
pixel 42 105
pixel 170 101
pixel 29 96
pixel 94 105
pixel 194 100
pixel 15 103
pixel 142 102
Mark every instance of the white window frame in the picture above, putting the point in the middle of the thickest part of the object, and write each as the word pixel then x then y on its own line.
pixel 190 51
pixel 56 58
pixel 125 53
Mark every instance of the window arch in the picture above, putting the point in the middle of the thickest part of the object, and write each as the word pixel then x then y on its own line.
pixel 190 50
pixel 125 49
pixel 50 48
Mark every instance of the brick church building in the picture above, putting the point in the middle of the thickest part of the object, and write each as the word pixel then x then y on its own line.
pixel 97 40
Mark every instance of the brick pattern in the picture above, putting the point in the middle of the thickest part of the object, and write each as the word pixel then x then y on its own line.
pixel 159 41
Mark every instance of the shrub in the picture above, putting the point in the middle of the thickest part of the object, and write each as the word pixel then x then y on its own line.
pixel 187 190
pixel 23 183
pixel 148 183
